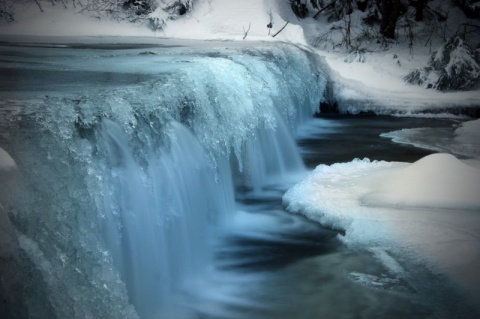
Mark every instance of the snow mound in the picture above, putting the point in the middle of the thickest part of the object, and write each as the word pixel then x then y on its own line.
pixel 469 133
pixel 6 161
pixel 437 180
pixel 331 193
pixel 205 20
pixel 428 210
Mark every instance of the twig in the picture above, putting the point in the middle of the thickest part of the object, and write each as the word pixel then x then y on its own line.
pixel 324 8
pixel 270 23
pixel 39 6
pixel 439 14
pixel 246 32
pixel 273 36
pixel 64 4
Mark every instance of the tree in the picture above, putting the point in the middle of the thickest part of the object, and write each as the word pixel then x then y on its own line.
pixel 390 13
pixel 299 7
pixel 6 11
pixel 420 5
pixel 452 67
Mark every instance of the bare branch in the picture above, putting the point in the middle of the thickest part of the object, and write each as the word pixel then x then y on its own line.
pixel 245 33
pixel 64 4
pixel 273 36
pixel 270 23
pixel 324 8
pixel 39 6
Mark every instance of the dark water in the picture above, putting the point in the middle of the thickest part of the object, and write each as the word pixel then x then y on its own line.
pixel 341 138
pixel 307 272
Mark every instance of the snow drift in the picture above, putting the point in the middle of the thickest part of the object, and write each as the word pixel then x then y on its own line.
pixel 422 209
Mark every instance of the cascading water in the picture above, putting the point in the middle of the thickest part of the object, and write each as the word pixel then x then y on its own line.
pixel 120 192
pixel 161 218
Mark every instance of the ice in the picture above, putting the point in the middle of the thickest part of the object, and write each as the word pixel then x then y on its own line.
pixel 468 134
pixel 124 185
pixel 461 140
pixel 428 209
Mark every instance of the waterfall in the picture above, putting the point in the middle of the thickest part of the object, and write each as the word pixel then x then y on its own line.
pixel 121 191
pixel 161 219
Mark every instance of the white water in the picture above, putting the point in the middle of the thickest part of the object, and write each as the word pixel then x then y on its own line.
pixel 122 191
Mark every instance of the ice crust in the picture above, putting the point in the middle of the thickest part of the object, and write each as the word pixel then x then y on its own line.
pixel 461 140
pixel 428 209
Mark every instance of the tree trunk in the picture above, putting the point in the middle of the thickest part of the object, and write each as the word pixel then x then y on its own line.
pixel 390 12
pixel 419 10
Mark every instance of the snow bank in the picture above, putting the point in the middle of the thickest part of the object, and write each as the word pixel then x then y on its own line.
pixel 377 85
pixel 209 20
pixel 236 20
pixel 57 21
pixel 435 181
pixel 430 209
pixel 6 161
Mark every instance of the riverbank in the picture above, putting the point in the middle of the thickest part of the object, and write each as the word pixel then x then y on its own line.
pixel 370 82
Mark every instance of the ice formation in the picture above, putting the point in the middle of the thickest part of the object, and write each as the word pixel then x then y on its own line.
pixel 424 209
pixel 113 154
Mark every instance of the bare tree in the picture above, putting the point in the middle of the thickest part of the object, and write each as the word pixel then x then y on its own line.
pixel 390 13
pixel 6 11
pixel 420 5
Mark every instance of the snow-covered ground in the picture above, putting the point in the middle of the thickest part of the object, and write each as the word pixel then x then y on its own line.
pixel 373 80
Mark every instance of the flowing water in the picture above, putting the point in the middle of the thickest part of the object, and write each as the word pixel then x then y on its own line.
pixel 148 184
pixel 318 276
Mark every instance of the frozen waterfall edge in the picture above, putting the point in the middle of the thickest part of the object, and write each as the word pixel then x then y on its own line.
pixel 108 181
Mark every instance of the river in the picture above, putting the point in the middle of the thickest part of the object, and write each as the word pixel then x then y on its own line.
pixel 316 275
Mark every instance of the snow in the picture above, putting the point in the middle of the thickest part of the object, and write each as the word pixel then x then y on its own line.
pixel 56 21
pixel 377 84
pixel 428 209
pixel 6 161
pixel 229 20
pixel 438 181
pixel 462 140
pixel 210 20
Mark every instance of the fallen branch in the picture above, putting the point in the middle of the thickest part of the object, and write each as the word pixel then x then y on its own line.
pixel 273 36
